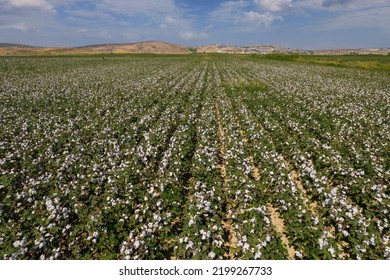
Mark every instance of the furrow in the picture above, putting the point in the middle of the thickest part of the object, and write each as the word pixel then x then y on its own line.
pixel 227 223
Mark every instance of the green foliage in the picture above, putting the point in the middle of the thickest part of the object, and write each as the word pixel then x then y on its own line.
pixel 150 156
pixel 369 62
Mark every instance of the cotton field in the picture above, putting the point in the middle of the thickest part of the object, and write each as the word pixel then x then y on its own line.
pixel 192 157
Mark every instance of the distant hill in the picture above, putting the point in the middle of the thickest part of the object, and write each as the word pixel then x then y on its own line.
pixel 141 47
pixel 352 51
pixel 10 45
pixel 169 48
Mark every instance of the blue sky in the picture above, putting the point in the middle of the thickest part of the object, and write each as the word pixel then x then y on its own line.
pixel 307 24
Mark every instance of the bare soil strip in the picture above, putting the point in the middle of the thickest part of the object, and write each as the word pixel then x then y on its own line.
pixel 275 218
pixel 227 224
pixel 255 170
pixel 294 176
pixel 221 136
pixel 298 183
pixel 279 226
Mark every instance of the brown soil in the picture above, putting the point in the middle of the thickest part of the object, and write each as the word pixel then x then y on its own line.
pixel 298 183
pixel 227 224
pixel 274 215
pixel 255 170
pixel 279 226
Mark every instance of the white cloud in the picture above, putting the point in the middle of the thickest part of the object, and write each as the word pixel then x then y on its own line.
pixel 248 14
pixel 182 27
pixel 121 20
pixel 20 26
pixel 134 7
pixel 273 5
pixel 370 18
pixel 307 4
pixel 40 4
pixel 148 19
pixel 339 5
pixel 348 14
pixel 260 19
pixel 191 36
pixel 171 20
pixel 174 23
pixel 160 18
pixel 330 3
pixel 230 11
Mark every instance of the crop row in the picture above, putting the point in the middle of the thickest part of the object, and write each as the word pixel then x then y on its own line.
pixel 191 158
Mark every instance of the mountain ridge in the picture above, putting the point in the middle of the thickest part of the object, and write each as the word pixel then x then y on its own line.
pixel 114 48
pixel 160 47
pixel 12 45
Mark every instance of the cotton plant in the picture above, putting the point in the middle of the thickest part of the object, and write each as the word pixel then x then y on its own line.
pixel 172 158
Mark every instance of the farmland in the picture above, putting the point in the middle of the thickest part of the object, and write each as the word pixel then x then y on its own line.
pixel 192 157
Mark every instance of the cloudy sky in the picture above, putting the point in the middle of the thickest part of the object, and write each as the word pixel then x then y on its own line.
pixel 308 24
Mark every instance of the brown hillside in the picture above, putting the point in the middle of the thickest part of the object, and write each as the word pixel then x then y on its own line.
pixel 142 47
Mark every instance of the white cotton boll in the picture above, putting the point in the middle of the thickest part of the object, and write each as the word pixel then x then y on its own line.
pixel 298 254
pixel 42 244
pixel 190 245
pixel 321 243
pixel 17 244
pixel 211 255
pixel 136 244
pixel 49 205
pixel 331 251
pixel 386 254
pixel 23 242
pixel 257 255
